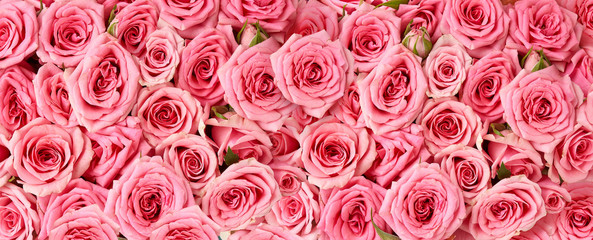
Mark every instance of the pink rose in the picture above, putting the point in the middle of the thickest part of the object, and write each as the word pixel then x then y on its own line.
pixel 481 26
pixel 348 5
pixel 348 109
pixel 248 81
pixel 285 143
pixel 392 95
pixel 303 119
pixel 485 79
pixel 187 15
pixel 369 33
pixel 517 154
pixel 46 157
pixel 52 96
pixel 66 30
pixel 312 71
pixel 397 152
pixel 244 191
pixel 274 16
pixel 263 232
pixel 146 192
pixel 574 222
pixel 164 110
pixel 18 216
pixel 18 106
pixel 200 60
pixel 18 21
pixel 298 213
pixel 333 153
pixel 555 196
pixel 161 58
pixel 446 121
pixel 4 167
pixel 426 13
pixel 583 9
pixel 104 86
pixel 86 223
pixel 423 204
pixel 134 23
pixel 511 206
pixel 314 16
pixel 580 70
pixel 192 157
pixel 585 112
pixel 446 67
pixel 537 232
pixel 187 223
pixel 572 159
pixel 288 177
pixel 541 106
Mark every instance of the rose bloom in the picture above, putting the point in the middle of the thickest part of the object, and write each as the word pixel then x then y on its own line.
pixel 200 60
pixel 347 109
pixel 18 216
pixel 517 154
pixel 4 155
pixel 161 58
pixel 52 96
pixel 423 204
pixel 288 177
pixel 312 71
pixel 285 143
pixel 303 119
pixel 445 121
pixel 134 23
pixel 187 223
pixel 18 21
pixel 333 153
pixel 248 81
pixel 574 222
pixel 397 152
pixel 146 191
pixel 511 206
pixel 480 25
pixel 555 196
pixel 572 159
pixel 185 16
pixel 347 211
pixel 584 10
pixel 484 80
pixel 263 232
pixel 244 191
pixel 541 106
pixel 369 32
pixel 580 70
pixel 18 106
pixel 298 213
pixel 66 30
pixel 314 16
pixel 585 112
pixel 273 16
pixel 46 157
pixel 392 95
pixel 537 232
pixel 446 67
pixel 164 110
pixel 104 86
pixel 427 13
pixel 348 5
pixel 86 223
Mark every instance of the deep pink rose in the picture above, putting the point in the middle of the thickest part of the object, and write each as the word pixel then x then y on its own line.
pixel 555 196
pixel 485 79
pixel 427 13
pixel 289 178
pixel 18 216
pixel 66 30
pixel 244 191
pixel 369 33
pixel 18 23
pixel 392 95
pixel 517 154
pixel 312 71
pixel 186 16
pixel 348 109
pixel 298 213
pixel 52 96
pixel 104 86
pixel 200 60
pixel 574 222
pixel 274 16
pixel 423 204
pixel 446 67
pixel 572 159
pixel 187 223
pixel 248 81
pixel 46 157
pixel 146 192
pixel 263 232
pixel 580 70
pixel 86 223
pixel 541 106
pixel 164 110
pixel 511 206
pixel 585 112
pixel 18 106
pixel 158 63
pixel 4 167
pixel 285 143
pixel 314 16
pixel 333 153
pixel 134 23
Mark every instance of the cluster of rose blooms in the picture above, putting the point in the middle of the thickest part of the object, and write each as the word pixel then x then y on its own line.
pixel 296 119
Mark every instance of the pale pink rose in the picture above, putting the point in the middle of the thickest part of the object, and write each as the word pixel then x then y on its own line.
pixel 446 67
pixel 423 204
pixel 244 191
pixel 52 96
pixel 426 13
pixel 369 33
pixel 200 60
pixel 572 159
pixel 348 109
pixel 187 223
pixel 585 112
pixel 158 63
pixel 347 211
pixel 285 143
pixel 146 192
pixel 484 80
pixel 314 16
pixel 537 232
pixel 289 178
pixel 480 25
pixel 187 15
pixel 298 213
pixel 445 121
pixel 273 16
pixel 333 153
pixel 584 11
pixel 192 157
pixel 18 23
pixel 18 106
pixel 134 23
pixel 392 95
pixel 104 86
pixel 263 232
pixel 541 106
pixel 46 157
pixel 517 154
pixel 555 196
pixel 66 30
pixel 580 70
pixel 164 110
pixel 397 152
pixel 511 206
pixel 574 222
pixel 312 71
pixel 248 81
pixel 86 223
pixel 114 148
pixel 18 216
pixel 468 168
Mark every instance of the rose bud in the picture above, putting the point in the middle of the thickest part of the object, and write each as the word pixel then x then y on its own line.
pixel 418 41
pixel 535 60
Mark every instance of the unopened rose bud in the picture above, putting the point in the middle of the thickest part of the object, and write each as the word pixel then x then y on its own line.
pixel 418 41
pixel 533 61
pixel 248 34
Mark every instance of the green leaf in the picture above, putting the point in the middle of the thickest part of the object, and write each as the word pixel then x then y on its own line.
pixel 495 130
pixel 503 172
pixel 112 14
pixel 543 62
pixel 121 238
pixel 238 38
pixel 360 2
pixel 40 7
pixel 230 108
pixel 217 114
pixel 393 4
pixel 258 35
pixel 525 57
pixel 12 179
pixel 257 26
pixel 219 238
pixel 230 157
pixel 409 27
pixel 382 234
pixel 343 13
